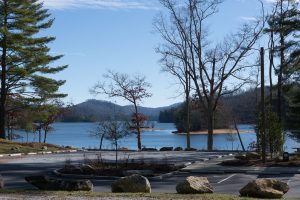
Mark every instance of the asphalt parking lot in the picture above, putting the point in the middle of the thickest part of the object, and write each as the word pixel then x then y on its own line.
pixel 222 183
pixel 14 170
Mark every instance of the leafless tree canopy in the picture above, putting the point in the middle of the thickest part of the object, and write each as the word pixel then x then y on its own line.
pixel 133 89
pixel 215 68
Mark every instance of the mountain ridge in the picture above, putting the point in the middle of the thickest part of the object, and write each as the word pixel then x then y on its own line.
pixel 97 110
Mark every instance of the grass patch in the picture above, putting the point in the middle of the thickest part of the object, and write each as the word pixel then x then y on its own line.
pixel 8 147
pixel 64 194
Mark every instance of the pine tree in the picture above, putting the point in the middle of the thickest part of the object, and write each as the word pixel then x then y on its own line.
pixel 284 24
pixel 25 57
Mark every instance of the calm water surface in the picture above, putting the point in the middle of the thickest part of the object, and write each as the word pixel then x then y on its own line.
pixel 79 135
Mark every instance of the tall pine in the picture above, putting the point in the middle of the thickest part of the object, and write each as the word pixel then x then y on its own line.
pixel 25 56
pixel 284 24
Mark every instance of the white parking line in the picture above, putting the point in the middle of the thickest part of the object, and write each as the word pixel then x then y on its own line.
pixel 225 179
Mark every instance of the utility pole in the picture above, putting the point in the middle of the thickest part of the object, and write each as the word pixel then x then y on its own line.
pixel 263 125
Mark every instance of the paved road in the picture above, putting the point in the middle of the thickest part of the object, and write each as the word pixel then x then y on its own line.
pixel 14 171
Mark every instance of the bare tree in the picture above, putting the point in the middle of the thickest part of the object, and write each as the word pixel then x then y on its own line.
pixel 179 69
pixel 113 131
pixel 133 89
pixel 216 69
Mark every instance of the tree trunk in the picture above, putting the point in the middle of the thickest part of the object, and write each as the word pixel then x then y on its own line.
pixel 262 96
pixel 279 87
pixel 34 136
pixel 239 135
pixel 3 77
pixel 116 146
pixel 8 128
pixel 271 57
pixel 45 136
pixel 210 129
pixel 188 136
pixel 101 142
pixel 40 136
pixel 138 128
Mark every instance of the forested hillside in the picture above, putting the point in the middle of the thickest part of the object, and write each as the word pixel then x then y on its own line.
pixel 96 110
pixel 237 105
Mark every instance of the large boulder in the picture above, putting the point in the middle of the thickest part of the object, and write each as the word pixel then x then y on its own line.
pixel 265 188
pixel 166 149
pixel 132 184
pixel 149 149
pixel 194 185
pixel 190 149
pixel 46 183
pixel 178 149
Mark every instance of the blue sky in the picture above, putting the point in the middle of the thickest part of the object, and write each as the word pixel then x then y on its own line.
pixel 96 35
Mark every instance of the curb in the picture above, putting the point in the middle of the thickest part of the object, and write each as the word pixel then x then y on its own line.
pixel 37 153
pixel 57 173
pixel 253 172
pixel 15 154
pixel 31 153
pixel 160 177
pixel 235 171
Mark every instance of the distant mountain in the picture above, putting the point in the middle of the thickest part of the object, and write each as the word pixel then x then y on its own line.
pixel 97 110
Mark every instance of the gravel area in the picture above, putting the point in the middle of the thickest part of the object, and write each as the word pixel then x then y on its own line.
pixel 30 197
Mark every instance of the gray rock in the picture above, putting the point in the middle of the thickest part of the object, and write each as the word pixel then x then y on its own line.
pixel 44 148
pixel 190 149
pixel 149 149
pixel 194 185
pixel 46 183
pixel 265 188
pixel 132 184
pixel 178 149
pixel 166 149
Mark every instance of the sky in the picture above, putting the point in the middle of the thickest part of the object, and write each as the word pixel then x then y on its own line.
pixel 99 35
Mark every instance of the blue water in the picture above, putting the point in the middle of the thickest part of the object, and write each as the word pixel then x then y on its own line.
pixel 79 135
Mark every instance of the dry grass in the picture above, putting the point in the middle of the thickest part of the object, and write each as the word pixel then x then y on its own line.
pixel 7 147
pixel 88 195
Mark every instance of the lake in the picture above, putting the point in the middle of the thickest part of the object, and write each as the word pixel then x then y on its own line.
pixel 78 135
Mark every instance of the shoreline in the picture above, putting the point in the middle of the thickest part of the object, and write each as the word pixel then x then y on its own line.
pixel 216 131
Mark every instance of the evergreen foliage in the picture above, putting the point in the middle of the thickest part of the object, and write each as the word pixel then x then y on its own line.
pixel 293 114
pixel 25 55
pixel 274 133
pixel 167 116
